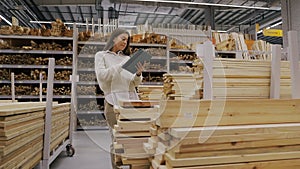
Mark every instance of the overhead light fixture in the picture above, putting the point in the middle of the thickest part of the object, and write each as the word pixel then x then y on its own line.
pixel 209 4
pixel 222 31
pixel 81 24
pixel 2 17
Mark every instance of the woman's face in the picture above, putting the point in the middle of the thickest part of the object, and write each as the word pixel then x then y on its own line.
pixel 120 42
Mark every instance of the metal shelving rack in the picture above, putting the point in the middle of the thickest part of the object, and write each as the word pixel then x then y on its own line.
pixel 35 53
pixel 91 116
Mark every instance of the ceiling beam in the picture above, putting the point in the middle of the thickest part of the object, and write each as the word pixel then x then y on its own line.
pixel 60 14
pixel 64 2
pixel 70 13
pixel 189 4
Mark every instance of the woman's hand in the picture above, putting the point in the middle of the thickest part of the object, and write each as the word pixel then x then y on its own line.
pixel 140 68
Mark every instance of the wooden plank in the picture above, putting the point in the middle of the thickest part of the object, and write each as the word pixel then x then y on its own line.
pixel 135 113
pixel 278 164
pixel 16 111
pixel 240 73
pixel 15 159
pixel 136 160
pixel 136 166
pixel 231 130
pixel 131 140
pixel 248 91
pixel 34 161
pixel 231 158
pixel 130 134
pixel 7 147
pixel 137 103
pixel 185 151
pixel 222 150
pixel 58 141
pixel 28 126
pixel 227 112
pixel 234 82
pixel 128 126
pixel 233 139
pixel 8 124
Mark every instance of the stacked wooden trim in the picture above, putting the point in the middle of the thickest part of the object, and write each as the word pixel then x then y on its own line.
pixel 238 42
pixel 239 129
pixel 246 79
pixel 182 86
pixel 218 134
pixel 134 120
pixel 60 127
pixel 150 92
pixel 22 132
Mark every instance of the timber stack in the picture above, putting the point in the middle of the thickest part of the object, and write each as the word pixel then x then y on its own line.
pixel 22 132
pixel 237 129
pixel 134 120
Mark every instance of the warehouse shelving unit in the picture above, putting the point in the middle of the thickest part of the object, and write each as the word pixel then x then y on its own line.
pixel 89 97
pixel 27 71
pixel 157 65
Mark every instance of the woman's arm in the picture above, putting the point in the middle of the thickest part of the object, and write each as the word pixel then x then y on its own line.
pixel 104 73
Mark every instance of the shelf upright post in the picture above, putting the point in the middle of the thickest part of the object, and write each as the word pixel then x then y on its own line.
pixel 293 55
pixel 74 79
pixel 168 52
pixel 93 27
pixel 41 87
pixel 48 125
pixel 13 92
pixel 208 58
pixel 275 72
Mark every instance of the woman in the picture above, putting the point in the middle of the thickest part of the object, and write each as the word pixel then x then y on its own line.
pixel 115 82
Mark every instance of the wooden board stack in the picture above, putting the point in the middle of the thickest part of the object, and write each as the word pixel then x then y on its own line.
pixel 21 134
pixel 60 128
pixel 150 92
pixel 237 42
pixel 219 134
pixel 134 120
pixel 22 130
pixel 246 79
pixel 262 50
pixel 182 86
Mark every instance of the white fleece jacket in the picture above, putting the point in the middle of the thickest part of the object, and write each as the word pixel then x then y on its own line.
pixel 112 78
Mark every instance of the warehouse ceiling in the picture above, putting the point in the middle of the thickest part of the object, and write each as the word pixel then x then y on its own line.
pixel 228 15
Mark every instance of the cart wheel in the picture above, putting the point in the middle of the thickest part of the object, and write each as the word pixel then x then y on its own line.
pixel 70 150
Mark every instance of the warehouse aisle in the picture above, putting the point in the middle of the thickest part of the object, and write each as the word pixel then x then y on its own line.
pixel 90 151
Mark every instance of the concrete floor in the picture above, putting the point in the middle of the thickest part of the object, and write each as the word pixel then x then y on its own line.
pixel 91 151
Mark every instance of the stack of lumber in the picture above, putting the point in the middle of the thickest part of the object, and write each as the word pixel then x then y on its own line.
pixel 182 86
pixel 246 79
pixel 237 42
pixel 60 127
pixel 262 50
pixel 219 134
pixel 134 120
pixel 150 92
pixel 22 127
pixel 21 134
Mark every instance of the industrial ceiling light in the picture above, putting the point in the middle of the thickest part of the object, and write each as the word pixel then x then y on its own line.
pixel 209 4
pixel 82 24
pixel 2 17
